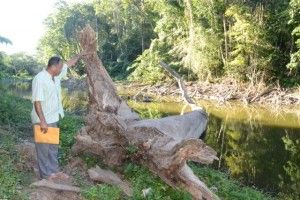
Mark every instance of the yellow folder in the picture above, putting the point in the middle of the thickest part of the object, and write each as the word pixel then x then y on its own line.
pixel 50 137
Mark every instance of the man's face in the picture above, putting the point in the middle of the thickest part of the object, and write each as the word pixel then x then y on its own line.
pixel 58 68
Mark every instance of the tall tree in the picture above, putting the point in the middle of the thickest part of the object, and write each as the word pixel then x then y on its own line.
pixel 294 11
pixel 249 56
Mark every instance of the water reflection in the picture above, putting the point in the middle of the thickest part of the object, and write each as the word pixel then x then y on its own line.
pixel 257 146
pixel 17 87
pixel 254 153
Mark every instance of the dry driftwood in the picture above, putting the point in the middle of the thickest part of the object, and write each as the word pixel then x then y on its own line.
pixel 183 89
pixel 179 80
pixel 107 176
pixel 166 143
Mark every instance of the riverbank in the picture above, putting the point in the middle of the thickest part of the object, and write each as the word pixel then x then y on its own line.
pixel 226 90
pixel 222 92
pixel 15 178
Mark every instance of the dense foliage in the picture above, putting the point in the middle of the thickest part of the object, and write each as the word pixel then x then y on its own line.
pixel 201 39
pixel 124 30
pixel 18 65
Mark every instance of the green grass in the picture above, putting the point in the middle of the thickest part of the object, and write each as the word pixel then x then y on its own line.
pixel 102 191
pixel 15 118
pixel 15 111
pixel 149 113
pixel 225 186
pixel 12 180
pixel 141 178
pixel 69 126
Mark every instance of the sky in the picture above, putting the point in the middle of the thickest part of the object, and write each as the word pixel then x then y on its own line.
pixel 21 21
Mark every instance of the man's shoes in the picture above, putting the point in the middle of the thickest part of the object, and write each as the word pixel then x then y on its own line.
pixel 58 176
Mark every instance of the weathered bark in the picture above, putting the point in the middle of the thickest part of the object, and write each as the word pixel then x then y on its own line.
pixel 166 144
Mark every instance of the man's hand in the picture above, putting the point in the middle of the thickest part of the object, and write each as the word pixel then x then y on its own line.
pixel 44 127
pixel 73 61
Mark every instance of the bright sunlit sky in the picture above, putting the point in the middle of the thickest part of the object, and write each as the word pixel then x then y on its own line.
pixel 21 21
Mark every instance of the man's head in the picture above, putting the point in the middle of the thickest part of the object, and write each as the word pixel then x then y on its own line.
pixel 55 65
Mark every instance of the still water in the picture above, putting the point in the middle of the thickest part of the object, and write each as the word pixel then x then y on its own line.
pixel 256 145
pixel 259 146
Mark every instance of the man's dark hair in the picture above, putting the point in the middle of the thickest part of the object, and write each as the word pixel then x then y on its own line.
pixel 54 61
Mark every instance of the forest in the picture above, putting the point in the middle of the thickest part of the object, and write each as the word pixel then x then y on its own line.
pixel 201 39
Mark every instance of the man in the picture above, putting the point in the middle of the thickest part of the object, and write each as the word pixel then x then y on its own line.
pixel 47 107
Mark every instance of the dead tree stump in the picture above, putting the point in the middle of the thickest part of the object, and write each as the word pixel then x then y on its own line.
pixel 166 143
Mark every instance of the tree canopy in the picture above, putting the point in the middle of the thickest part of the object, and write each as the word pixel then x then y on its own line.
pixel 201 39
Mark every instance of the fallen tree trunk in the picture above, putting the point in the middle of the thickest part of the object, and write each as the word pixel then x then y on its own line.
pixel 166 144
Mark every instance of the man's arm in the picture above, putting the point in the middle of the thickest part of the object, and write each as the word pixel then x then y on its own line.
pixel 75 59
pixel 70 63
pixel 39 112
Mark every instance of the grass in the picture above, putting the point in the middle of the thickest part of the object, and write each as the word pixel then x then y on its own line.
pixel 15 115
pixel 15 111
pixel 10 178
pixel 14 118
pixel 225 187
pixel 102 191
pixel 69 126
pixel 141 178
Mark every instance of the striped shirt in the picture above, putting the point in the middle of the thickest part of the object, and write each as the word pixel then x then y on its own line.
pixel 48 92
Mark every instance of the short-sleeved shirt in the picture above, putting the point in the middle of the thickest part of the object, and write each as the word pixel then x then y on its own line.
pixel 48 92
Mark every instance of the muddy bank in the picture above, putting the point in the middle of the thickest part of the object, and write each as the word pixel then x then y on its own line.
pixel 219 92
pixel 225 91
